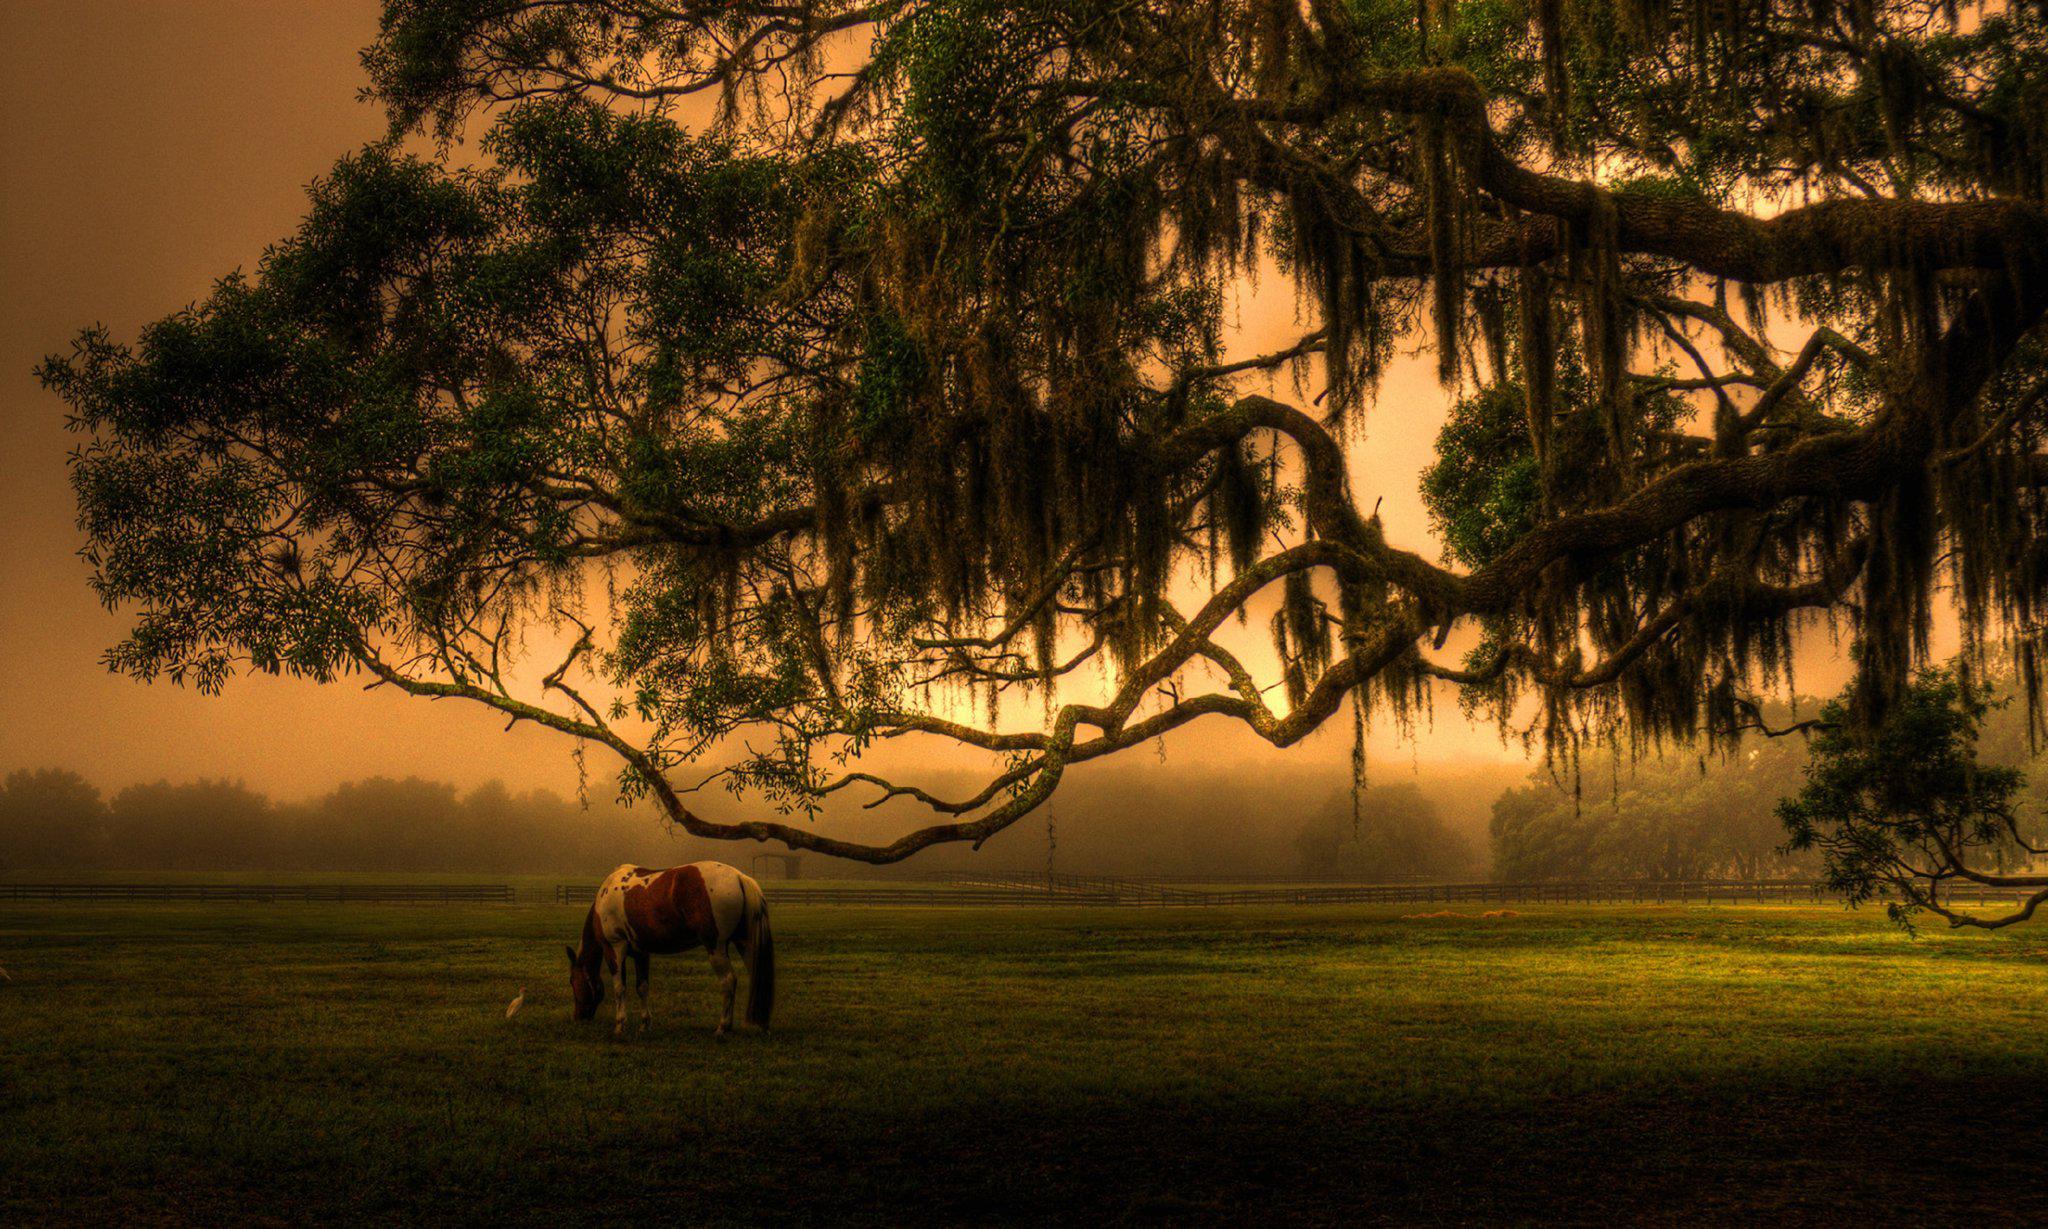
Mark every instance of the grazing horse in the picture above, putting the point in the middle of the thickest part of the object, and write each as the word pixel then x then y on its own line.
pixel 640 913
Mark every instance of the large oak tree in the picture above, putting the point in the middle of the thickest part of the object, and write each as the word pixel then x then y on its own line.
pixel 901 377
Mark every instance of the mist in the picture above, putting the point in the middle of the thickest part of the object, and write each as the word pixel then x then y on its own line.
pixel 1154 819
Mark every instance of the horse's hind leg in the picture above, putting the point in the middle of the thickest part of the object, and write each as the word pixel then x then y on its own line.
pixel 640 986
pixel 619 974
pixel 728 984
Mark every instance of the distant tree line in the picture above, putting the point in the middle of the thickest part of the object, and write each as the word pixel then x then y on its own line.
pixel 1671 816
pixel 1681 815
pixel 1392 832
pixel 55 819
pixel 1665 817
pixel 1212 820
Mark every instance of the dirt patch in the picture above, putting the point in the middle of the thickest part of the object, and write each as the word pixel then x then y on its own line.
pixel 1468 917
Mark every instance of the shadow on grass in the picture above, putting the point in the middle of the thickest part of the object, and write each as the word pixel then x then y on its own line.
pixel 1936 1152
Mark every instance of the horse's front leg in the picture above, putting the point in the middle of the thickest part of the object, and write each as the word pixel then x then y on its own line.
pixel 640 986
pixel 619 975
pixel 728 984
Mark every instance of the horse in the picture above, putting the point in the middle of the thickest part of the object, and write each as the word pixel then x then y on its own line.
pixel 641 912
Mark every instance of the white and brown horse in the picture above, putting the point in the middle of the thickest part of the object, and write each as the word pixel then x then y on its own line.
pixel 641 912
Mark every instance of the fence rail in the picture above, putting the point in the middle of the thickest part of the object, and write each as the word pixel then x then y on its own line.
pixel 1080 890
pixel 963 896
pixel 1007 889
pixel 382 893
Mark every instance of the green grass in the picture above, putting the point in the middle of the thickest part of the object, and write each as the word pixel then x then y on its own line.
pixel 1673 1064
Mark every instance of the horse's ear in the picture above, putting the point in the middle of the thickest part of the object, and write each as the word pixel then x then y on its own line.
pixel 571 951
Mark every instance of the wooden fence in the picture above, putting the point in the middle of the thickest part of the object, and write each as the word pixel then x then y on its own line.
pixel 380 893
pixel 1005 889
pixel 1058 889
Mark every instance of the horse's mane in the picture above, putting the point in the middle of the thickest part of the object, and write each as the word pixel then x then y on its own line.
pixel 590 949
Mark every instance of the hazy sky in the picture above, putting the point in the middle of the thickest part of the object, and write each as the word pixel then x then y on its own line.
pixel 154 145
pixel 151 146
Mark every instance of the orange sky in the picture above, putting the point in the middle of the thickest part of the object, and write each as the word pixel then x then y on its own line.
pixel 153 145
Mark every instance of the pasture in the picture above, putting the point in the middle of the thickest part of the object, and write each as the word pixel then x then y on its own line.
pixel 1632 1063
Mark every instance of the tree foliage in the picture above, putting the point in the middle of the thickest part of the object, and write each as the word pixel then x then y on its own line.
pixel 49 817
pixel 52 819
pixel 1905 811
pixel 900 390
pixel 1390 832
pixel 1672 817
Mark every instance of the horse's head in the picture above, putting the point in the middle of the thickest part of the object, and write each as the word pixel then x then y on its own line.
pixel 586 988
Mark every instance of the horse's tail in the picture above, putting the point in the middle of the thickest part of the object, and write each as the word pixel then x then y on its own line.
pixel 760 952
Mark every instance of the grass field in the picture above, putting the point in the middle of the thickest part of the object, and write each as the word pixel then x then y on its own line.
pixel 1623 1064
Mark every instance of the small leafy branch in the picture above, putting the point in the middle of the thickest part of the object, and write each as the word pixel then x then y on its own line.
pixel 1904 812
